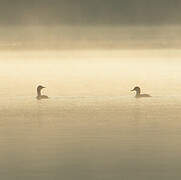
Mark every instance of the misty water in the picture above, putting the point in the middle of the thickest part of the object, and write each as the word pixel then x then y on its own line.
pixel 92 127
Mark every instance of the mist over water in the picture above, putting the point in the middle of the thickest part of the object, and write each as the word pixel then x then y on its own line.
pixel 92 127
pixel 62 37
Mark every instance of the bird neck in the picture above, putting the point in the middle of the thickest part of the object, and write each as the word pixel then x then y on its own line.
pixel 38 92
pixel 138 92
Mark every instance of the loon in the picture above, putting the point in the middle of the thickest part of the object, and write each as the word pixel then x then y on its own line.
pixel 138 93
pixel 39 96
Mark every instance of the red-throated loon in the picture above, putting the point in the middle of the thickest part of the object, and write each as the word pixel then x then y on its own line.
pixel 39 96
pixel 138 93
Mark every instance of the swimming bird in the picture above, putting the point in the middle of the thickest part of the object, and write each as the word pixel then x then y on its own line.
pixel 138 93
pixel 39 96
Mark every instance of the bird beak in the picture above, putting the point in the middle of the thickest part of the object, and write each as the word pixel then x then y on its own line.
pixel 43 87
pixel 132 90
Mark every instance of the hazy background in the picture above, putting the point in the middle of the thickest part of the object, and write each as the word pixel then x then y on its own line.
pixel 53 12
pixel 91 127
pixel 90 24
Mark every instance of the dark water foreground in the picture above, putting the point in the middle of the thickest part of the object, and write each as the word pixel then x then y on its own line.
pixel 90 138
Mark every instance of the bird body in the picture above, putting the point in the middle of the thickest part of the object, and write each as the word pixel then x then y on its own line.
pixel 138 93
pixel 39 95
pixel 142 95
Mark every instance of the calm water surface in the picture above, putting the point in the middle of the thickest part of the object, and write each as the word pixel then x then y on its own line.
pixel 92 127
